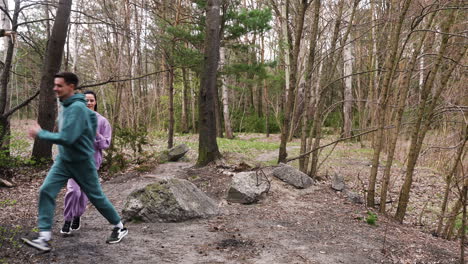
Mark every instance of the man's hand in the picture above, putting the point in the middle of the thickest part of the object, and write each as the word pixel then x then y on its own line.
pixel 10 33
pixel 34 129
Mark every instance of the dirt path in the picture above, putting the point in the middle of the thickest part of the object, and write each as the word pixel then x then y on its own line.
pixel 314 225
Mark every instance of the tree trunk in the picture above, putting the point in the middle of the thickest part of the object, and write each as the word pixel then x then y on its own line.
pixel 464 196
pixel 448 180
pixel 225 96
pixel 325 82
pixel 185 102
pixel 192 104
pixel 348 90
pixel 7 55
pixel 304 161
pixel 425 115
pixel 390 66
pixel 208 147
pixel 293 80
pixel 405 86
pixel 170 136
pixel 52 61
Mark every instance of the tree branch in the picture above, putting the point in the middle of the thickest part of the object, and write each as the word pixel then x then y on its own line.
pixel 111 80
pixel 26 102
pixel 334 142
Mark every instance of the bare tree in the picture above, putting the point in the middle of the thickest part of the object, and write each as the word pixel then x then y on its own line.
pixel 208 147
pixel 52 62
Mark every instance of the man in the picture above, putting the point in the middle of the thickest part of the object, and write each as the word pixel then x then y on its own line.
pixel 75 139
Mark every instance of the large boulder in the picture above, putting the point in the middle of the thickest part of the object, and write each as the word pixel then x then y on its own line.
pixel 173 200
pixel 353 197
pixel 293 176
pixel 177 152
pixel 338 183
pixel 247 188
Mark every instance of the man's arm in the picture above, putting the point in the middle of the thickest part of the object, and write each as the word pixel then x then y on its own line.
pixel 73 127
pixel 5 33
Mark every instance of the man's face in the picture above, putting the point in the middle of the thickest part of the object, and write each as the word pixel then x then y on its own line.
pixel 62 89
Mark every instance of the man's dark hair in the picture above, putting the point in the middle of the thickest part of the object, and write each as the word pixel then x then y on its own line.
pixel 68 77
pixel 95 97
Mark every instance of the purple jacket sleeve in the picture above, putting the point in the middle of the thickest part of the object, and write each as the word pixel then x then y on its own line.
pixel 104 134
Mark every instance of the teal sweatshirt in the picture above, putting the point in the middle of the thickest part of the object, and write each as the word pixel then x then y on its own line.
pixel 77 130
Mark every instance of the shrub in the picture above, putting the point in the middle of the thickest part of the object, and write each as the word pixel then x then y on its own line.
pixel 371 218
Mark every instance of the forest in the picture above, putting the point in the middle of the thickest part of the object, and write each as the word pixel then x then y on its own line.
pixel 384 75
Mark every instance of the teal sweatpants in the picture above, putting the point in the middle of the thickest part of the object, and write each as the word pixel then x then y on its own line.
pixel 85 174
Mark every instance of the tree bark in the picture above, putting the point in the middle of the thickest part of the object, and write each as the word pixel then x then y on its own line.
pixel 52 61
pixel 208 147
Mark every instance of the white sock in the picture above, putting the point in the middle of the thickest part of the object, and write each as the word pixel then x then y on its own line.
pixel 46 235
pixel 119 225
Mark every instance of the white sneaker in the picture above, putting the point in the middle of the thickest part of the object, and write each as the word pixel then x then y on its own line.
pixel 39 243
pixel 117 235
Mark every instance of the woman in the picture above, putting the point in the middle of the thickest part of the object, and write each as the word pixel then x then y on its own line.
pixel 75 200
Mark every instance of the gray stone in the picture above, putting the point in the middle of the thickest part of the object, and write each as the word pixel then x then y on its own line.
pixel 338 183
pixel 173 200
pixel 5 183
pixel 163 156
pixel 177 152
pixel 247 188
pixel 293 176
pixel 354 197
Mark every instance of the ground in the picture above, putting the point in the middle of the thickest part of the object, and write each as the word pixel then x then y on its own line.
pixel 313 225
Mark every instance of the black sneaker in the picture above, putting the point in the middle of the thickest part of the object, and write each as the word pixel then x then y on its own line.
pixel 39 243
pixel 76 223
pixel 66 228
pixel 117 235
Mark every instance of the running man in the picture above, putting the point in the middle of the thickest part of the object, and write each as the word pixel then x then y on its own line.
pixel 75 139
pixel 75 199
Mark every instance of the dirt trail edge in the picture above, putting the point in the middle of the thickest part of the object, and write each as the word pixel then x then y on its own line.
pixel 314 225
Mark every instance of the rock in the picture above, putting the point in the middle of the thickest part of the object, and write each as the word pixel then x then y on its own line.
pixel 5 183
pixel 293 176
pixel 173 200
pixel 338 183
pixel 246 188
pixel 163 157
pixel 177 152
pixel 243 166
pixel 354 197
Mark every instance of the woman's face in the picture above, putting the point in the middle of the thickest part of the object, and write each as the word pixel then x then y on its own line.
pixel 91 101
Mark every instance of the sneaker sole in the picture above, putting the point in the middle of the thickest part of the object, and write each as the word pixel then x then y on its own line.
pixel 65 233
pixel 117 241
pixel 36 246
pixel 72 229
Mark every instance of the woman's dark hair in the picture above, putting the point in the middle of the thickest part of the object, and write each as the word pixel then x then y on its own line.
pixel 68 77
pixel 95 97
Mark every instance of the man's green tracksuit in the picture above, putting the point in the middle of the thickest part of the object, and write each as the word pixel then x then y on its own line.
pixel 75 139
